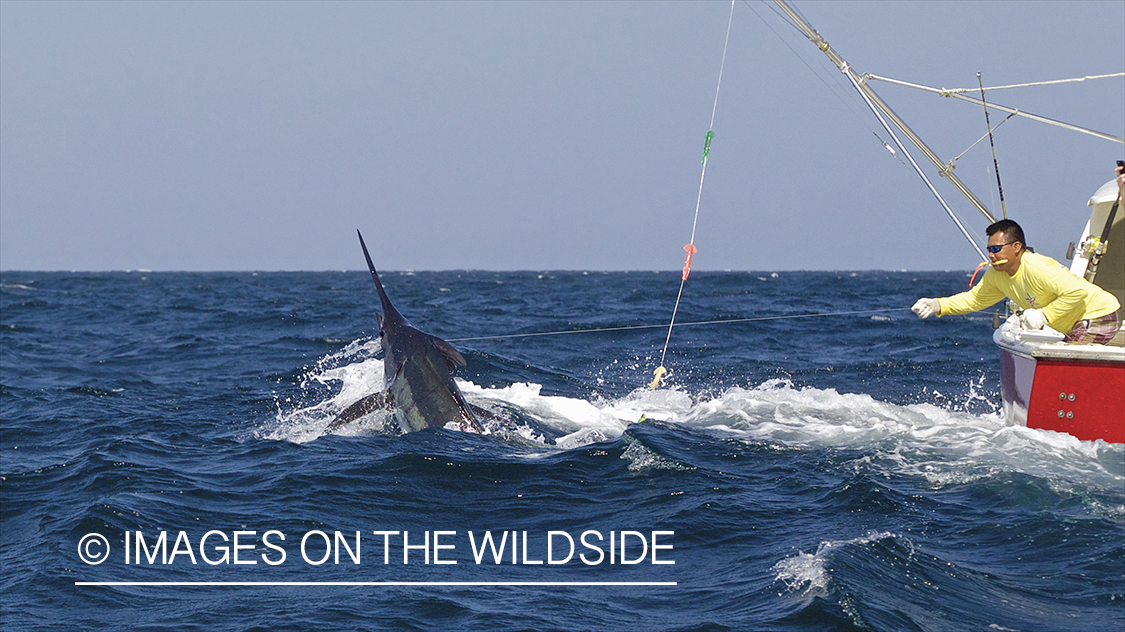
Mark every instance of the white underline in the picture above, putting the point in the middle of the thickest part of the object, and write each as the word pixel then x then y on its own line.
pixel 375 583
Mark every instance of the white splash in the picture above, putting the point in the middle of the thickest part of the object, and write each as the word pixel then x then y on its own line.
pixel 354 368
pixel 807 574
pixel 942 445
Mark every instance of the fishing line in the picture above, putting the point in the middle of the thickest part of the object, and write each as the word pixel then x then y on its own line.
pixel 690 247
pixel 701 322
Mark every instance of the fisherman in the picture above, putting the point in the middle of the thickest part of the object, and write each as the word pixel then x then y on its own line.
pixel 1046 291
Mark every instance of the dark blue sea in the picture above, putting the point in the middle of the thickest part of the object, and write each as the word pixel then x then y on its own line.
pixel 828 462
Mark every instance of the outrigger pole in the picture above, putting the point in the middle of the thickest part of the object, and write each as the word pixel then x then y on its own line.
pixel 883 112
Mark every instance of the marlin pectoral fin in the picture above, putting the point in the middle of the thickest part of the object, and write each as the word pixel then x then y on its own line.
pixel 452 357
pixel 467 416
pixel 365 406
pixel 393 379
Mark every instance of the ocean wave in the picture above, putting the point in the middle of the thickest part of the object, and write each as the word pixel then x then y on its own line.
pixel 942 446
pixel 884 580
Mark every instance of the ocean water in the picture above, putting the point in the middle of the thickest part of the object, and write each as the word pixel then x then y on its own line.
pixel 843 471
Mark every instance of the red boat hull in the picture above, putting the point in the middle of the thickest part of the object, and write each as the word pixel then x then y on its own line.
pixel 1084 399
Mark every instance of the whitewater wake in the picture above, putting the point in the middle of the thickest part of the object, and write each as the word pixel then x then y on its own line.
pixel 944 446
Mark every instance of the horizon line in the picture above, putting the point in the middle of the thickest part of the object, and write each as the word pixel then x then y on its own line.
pixel 484 270
pixel 358 583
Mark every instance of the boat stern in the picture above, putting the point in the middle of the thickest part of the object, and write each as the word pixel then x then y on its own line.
pixel 1072 388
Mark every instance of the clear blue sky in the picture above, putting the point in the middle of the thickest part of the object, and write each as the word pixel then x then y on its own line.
pixel 538 135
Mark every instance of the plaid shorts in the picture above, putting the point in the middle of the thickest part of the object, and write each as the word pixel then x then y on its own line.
pixel 1095 331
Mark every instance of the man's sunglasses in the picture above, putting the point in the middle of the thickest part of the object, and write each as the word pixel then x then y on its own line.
pixel 998 247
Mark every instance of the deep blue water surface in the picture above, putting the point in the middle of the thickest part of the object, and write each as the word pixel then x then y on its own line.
pixel 840 472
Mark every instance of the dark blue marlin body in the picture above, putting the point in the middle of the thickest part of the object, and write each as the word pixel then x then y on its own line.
pixel 417 367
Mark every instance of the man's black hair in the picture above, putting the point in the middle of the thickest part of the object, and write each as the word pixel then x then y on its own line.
pixel 1011 230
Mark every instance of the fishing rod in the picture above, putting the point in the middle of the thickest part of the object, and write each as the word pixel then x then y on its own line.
pixel 1102 242
pixel 995 163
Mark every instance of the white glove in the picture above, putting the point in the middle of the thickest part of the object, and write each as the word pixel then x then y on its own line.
pixel 1033 319
pixel 926 307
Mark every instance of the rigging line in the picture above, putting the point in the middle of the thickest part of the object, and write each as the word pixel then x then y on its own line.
pixel 847 103
pixel 1039 83
pixel 690 247
pixel 956 94
pixel 790 20
pixel 879 108
pixel 918 169
pixel 983 136
pixel 701 322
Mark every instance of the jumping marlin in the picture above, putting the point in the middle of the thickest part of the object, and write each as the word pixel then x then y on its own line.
pixel 420 390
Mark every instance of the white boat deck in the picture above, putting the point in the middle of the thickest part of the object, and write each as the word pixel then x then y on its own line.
pixel 1047 344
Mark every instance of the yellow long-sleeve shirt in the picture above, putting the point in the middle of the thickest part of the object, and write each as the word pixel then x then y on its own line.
pixel 1041 283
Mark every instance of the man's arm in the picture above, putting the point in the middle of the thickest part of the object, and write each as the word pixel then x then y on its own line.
pixel 982 295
